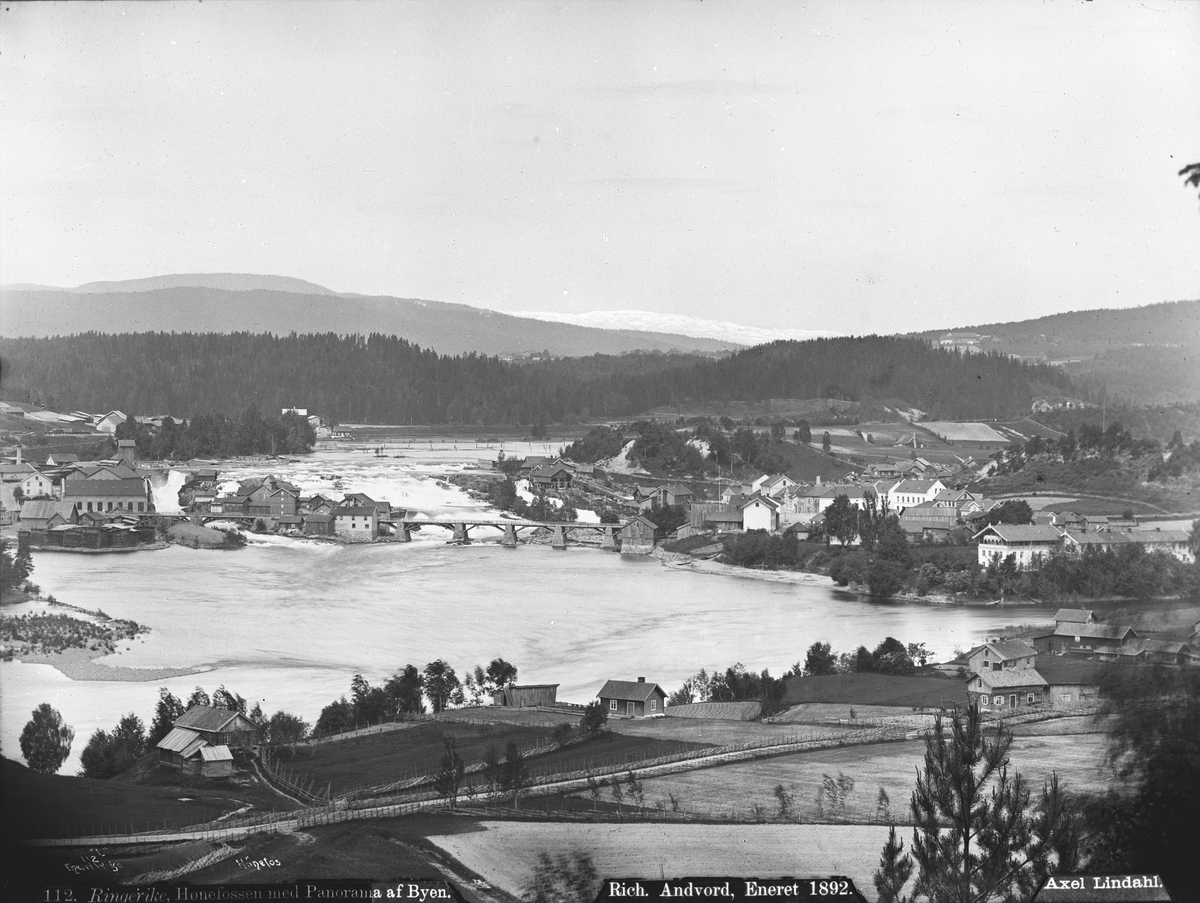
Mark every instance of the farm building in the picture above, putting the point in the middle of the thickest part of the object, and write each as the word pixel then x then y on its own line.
pixel 529 694
pixel 188 751
pixel 1071 681
pixel 1014 688
pixel 1085 639
pixel 1000 655
pixel 637 535
pixel 633 698
pixel 220 727
pixel 44 514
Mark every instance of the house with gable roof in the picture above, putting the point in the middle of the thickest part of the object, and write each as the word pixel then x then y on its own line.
pixel 202 740
pixel 913 492
pixel 1011 689
pixel 633 699
pixel 1000 655
pixel 760 513
pixel 1027 543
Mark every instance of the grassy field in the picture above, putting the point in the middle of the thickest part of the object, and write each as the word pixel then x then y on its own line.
pixel 506 853
pixel 876 689
pixel 734 790
pixel 383 758
pixel 711 732
pixel 722 711
pixel 57 805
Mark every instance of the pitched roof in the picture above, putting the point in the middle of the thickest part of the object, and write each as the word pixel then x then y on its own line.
pixel 219 753
pixel 124 488
pixel 921 486
pixel 1080 615
pixel 766 500
pixel 1023 532
pixel 318 518
pixel 181 740
pixel 44 509
pixel 630 690
pixel 1012 677
pixel 1094 631
pixel 206 718
pixel 645 520
pixel 1011 648
pixel 352 511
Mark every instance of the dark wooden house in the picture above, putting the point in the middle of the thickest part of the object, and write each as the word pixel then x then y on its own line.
pixel 633 698
pixel 203 739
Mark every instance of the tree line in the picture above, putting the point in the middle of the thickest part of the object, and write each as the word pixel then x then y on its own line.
pixel 386 379
pixel 218 435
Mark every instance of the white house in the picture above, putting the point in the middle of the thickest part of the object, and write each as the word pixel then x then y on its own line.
pixel 914 492
pixel 110 421
pixel 1025 542
pixel 759 513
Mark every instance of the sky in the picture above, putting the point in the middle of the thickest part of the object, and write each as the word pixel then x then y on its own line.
pixel 851 167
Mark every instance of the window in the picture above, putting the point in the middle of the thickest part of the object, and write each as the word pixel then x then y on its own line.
pixel 653 705
pixel 1029 699
pixel 612 705
pixel 141 506
pixel 983 701
pixel 999 700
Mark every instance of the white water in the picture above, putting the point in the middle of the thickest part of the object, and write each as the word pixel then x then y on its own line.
pixel 289 622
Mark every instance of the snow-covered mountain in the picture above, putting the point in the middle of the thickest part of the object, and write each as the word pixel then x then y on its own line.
pixel 648 321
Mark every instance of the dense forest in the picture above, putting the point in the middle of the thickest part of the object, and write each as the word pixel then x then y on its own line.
pixel 385 379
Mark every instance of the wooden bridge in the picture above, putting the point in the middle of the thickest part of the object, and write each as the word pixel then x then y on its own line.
pixel 509 528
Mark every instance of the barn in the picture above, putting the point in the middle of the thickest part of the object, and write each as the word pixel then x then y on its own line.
pixel 203 739
pixel 526 695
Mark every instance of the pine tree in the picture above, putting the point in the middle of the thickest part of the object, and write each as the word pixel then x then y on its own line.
pixel 895 868
pixel 978 835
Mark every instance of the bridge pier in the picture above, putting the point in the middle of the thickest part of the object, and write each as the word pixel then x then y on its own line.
pixel 510 536
pixel 560 538
pixel 610 538
pixel 402 534
pixel 461 534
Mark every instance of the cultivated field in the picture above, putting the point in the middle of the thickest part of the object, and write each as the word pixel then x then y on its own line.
pixel 735 790
pixel 506 853
pixel 711 732
pixel 719 711
pixel 864 715
pixel 866 689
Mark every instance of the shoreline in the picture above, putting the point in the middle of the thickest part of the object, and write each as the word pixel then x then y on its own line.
pixel 85 665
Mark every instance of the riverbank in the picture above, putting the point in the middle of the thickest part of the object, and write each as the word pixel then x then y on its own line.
pixel 86 664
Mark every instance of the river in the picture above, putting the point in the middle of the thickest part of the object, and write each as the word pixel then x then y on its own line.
pixel 288 622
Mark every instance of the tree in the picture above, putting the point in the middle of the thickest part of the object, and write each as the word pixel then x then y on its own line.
pixel 514 773
pixel 826 442
pixel 335 718
pixel 198 697
pixel 1154 718
pixel 1191 172
pixel 405 690
pixel 500 674
pixel 595 718
pixel 841 520
pixel 565 878
pixel 820 660
pixel 978 836
pixel 46 740
pixel 166 713
pixel 637 792
pixel 16 568
pixel 441 685
pixel 107 755
pixel 285 729
pixel 450 775
pixel 492 769
pixel 227 699
pixel 785 800
pixel 884 578
pixel 803 432
pixel 895 868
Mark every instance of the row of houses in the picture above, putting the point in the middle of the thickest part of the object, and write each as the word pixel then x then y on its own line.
pixel 279 505
pixel 86 486
pixel 1029 544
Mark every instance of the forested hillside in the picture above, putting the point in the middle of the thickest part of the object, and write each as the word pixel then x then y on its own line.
pixel 386 379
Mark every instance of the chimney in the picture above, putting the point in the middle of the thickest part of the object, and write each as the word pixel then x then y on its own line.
pixel 641 680
pixel 818 479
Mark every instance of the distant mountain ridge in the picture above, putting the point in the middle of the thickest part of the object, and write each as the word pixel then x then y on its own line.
pixel 649 321
pixel 231 302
